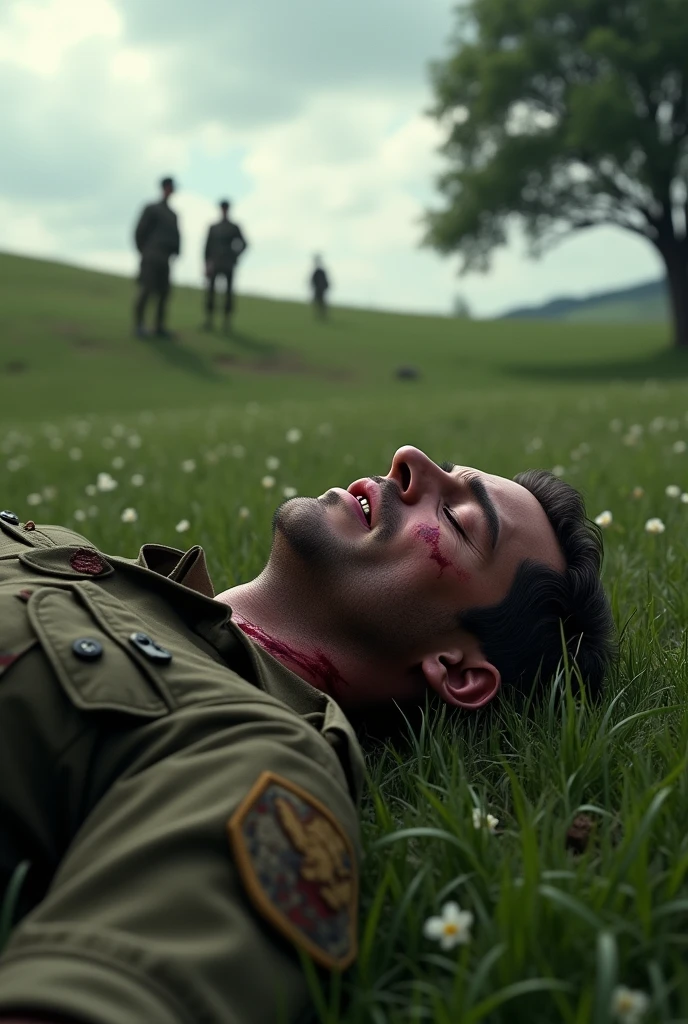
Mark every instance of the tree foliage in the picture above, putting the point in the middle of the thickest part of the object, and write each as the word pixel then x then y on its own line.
pixel 569 114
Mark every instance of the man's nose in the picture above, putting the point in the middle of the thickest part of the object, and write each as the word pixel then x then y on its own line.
pixel 414 473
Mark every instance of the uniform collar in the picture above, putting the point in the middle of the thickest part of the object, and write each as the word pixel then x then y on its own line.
pixel 186 567
pixel 190 570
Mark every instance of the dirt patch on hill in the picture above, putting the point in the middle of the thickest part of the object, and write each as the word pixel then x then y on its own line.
pixel 74 333
pixel 280 364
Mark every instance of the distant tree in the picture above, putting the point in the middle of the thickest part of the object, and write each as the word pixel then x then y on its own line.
pixel 461 308
pixel 566 114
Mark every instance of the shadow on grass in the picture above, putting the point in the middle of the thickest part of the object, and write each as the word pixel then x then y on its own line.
pixel 250 344
pixel 182 358
pixel 671 364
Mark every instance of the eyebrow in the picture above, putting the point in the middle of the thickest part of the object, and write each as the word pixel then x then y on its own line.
pixel 484 500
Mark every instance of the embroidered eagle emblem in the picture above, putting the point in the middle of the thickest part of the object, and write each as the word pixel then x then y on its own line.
pixel 298 866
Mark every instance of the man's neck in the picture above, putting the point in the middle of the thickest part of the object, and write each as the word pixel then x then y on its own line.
pixel 262 618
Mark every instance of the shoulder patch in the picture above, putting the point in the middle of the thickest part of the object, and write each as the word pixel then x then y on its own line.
pixel 298 866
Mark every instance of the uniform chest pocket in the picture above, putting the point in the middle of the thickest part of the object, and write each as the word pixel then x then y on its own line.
pixel 94 665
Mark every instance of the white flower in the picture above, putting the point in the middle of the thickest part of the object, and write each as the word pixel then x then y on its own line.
pixel 654 526
pixel 289 492
pixel 134 441
pixel 108 442
pixel 238 451
pixel 34 499
pixel 672 491
pixel 91 490
pixel 56 443
pixel 188 465
pixel 483 820
pixel 637 492
pixel 684 498
pixel 130 515
pixel 679 447
pixel 138 480
pixel 293 435
pixel 268 482
pixel 117 462
pixel 182 526
pixel 604 518
pixel 118 430
pixel 272 462
pixel 75 454
pixel 657 424
pixel 629 1005
pixel 80 515
pixel 105 482
pixel 453 928
pixel 558 471
pixel 244 513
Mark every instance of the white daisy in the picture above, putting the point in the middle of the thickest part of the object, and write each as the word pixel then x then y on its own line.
pixel 452 928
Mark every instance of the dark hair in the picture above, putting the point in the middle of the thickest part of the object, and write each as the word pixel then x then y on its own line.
pixel 524 635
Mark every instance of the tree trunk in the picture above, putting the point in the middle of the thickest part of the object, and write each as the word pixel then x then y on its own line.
pixel 676 260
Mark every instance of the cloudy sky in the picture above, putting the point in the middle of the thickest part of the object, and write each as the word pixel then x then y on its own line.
pixel 308 114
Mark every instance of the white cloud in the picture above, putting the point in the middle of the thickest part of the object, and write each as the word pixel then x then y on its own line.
pixel 309 114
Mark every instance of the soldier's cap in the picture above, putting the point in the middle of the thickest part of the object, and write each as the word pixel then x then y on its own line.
pixel 167 183
pixel 225 204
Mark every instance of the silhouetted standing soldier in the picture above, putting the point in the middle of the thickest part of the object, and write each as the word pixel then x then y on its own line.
pixel 223 248
pixel 157 239
pixel 320 284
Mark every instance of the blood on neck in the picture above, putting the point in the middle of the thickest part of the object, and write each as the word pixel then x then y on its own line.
pixel 314 666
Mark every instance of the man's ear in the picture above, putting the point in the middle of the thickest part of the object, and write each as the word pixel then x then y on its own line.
pixel 465 680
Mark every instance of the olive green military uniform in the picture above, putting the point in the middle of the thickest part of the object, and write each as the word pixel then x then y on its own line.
pixel 157 239
pixel 223 247
pixel 187 804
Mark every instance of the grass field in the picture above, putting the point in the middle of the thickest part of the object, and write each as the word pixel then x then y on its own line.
pixel 197 430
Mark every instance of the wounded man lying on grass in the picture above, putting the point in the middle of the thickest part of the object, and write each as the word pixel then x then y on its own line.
pixel 177 768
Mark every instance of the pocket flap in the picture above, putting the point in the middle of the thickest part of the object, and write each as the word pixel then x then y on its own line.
pixel 95 669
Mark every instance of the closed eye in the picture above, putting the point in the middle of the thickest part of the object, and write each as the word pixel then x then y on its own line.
pixel 455 522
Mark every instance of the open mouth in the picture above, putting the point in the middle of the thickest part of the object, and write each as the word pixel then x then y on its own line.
pixel 366 493
pixel 365 505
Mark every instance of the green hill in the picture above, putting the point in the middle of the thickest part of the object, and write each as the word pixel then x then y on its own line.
pixel 641 303
pixel 66 347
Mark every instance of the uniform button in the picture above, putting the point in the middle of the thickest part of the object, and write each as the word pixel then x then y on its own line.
pixel 148 646
pixel 87 648
pixel 10 517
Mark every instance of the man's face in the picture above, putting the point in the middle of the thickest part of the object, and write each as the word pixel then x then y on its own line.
pixel 397 558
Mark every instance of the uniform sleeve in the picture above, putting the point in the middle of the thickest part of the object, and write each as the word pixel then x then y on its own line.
pixel 170 904
pixel 239 244
pixel 144 228
pixel 208 253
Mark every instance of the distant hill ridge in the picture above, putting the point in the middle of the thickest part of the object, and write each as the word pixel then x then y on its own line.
pixel 646 302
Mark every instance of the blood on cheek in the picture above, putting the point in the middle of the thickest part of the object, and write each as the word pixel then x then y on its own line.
pixel 430 535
